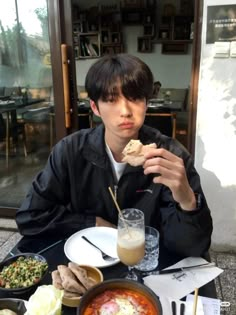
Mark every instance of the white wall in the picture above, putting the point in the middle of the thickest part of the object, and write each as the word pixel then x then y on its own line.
pixel 215 153
pixel 166 68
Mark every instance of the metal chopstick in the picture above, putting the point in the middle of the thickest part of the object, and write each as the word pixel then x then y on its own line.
pixel 173 307
pixel 49 247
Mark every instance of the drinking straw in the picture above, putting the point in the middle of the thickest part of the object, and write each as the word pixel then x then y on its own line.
pixel 195 301
pixel 119 210
pixel 114 199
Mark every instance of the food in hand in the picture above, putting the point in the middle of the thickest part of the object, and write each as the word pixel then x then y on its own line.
pixel 120 301
pixel 23 272
pixel 73 279
pixel 134 152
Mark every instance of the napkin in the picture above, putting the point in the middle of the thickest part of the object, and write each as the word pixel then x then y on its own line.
pixel 178 285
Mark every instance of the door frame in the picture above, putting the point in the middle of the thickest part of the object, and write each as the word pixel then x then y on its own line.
pixel 196 57
pixel 61 32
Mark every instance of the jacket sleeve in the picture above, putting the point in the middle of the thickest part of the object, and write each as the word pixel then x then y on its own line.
pixel 47 207
pixel 187 233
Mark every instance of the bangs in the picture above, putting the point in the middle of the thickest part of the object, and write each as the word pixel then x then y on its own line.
pixel 115 75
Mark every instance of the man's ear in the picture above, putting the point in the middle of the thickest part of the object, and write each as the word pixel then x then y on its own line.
pixel 146 106
pixel 94 108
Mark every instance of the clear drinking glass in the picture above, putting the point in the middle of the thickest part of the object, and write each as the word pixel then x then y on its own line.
pixel 131 239
pixel 150 260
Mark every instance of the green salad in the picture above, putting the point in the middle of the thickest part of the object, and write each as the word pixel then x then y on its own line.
pixel 23 272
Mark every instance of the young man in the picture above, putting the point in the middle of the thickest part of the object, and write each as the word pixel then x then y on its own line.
pixel 71 193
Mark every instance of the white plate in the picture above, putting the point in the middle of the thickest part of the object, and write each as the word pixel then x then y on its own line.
pixel 81 252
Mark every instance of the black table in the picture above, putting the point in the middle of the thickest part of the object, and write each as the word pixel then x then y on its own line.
pixel 167 106
pixel 55 256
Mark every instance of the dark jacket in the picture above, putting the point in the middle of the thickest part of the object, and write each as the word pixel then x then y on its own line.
pixel 73 189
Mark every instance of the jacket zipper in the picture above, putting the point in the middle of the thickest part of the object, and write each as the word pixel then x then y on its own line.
pixel 115 191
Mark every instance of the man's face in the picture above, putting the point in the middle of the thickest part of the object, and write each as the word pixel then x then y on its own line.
pixel 122 118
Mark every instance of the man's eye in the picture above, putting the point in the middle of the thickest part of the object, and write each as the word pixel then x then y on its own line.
pixel 110 100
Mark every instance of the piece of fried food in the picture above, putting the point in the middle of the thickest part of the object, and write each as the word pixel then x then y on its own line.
pixel 134 152
pixel 69 281
pixel 56 280
pixel 82 276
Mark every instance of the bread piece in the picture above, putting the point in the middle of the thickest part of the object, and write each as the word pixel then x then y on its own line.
pixel 82 276
pixel 69 281
pixel 134 152
pixel 56 280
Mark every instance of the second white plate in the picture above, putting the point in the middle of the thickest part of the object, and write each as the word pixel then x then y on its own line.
pixel 81 252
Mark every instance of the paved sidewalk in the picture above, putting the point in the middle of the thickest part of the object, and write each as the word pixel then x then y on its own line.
pixel 225 283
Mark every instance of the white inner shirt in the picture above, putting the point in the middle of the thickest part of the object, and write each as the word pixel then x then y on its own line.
pixel 117 167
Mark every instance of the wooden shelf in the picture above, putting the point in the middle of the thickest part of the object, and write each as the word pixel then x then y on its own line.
pixel 101 35
pixel 175 27
pixel 174 47
pixel 174 34
pixel 87 45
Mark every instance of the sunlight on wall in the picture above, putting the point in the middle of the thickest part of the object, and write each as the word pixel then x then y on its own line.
pixel 217 121
pixel 215 152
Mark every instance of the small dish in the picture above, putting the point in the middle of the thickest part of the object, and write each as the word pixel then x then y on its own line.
pixel 92 272
pixel 24 288
pixel 15 305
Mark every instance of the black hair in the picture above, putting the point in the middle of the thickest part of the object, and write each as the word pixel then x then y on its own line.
pixel 112 75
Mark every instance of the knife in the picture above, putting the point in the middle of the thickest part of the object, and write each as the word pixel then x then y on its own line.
pixel 173 270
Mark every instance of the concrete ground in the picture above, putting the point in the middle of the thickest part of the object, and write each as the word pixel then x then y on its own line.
pixel 225 283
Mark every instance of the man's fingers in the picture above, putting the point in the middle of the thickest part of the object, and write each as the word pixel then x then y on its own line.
pixel 162 153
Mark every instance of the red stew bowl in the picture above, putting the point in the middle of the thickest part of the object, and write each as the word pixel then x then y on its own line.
pixel 105 295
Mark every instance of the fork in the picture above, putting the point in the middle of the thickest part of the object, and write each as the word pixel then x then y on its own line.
pixel 104 255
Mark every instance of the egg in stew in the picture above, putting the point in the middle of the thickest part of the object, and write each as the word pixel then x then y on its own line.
pixel 120 302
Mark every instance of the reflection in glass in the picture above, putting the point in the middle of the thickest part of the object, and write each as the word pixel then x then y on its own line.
pixel 25 95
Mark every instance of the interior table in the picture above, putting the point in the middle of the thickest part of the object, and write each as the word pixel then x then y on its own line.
pixel 53 250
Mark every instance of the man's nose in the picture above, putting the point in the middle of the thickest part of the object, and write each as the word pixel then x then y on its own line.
pixel 125 108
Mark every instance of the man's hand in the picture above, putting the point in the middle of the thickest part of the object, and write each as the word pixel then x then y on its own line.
pixel 172 174
pixel 101 222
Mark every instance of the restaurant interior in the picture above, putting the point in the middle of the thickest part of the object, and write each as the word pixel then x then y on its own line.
pixel 33 104
pixel 29 124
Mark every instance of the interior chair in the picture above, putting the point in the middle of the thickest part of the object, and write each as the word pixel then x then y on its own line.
pixel 95 120
pixel 15 131
pixel 84 114
pixel 37 123
pixel 164 122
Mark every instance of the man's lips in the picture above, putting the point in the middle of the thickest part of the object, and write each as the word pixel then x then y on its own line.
pixel 126 125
